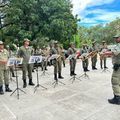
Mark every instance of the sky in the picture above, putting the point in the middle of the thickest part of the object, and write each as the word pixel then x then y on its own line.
pixel 93 12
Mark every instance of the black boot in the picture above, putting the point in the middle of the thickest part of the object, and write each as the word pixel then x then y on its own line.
pixel 7 89
pixel 115 100
pixel 1 90
pixel 46 68
pixel 101 66
pixel 105 67
pixel 55 77
pixel 84 69
pixel 31 83
pixel 94 68
pixel 24 83
pixel 59 76
pixel 87 69
pixel 71 73
pixel 13 75
pixel 74 73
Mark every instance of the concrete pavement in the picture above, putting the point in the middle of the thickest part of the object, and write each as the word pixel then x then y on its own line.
pixel 82 100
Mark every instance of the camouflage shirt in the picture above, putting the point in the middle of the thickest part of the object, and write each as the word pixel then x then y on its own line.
pixel 116 54
pixel 4 55
pixel 25 53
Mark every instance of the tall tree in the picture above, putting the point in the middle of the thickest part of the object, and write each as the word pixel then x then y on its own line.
pixel 39 18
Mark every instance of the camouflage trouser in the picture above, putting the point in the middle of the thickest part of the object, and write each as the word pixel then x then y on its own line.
pixel 57 66
pixel 4 77
pixel 72 64
pixel 85 63
pixel 116 82
pixel 103 61
pixel 94 61
pixel 26 68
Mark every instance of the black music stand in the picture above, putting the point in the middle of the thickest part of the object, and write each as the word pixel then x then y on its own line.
pixel 15 62
pixel 84 75
pixel 36 59
pixel 56 82
pixel 73 78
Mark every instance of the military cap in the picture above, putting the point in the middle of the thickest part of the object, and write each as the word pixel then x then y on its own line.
pixel 26 39
pixel 1 43
pixel 117 35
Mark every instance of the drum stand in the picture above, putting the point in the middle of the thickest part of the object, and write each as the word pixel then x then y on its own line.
pixel 17 89
pixel 38 85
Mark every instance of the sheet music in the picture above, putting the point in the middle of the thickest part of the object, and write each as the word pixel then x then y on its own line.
pixel 14 61
pixel 34 59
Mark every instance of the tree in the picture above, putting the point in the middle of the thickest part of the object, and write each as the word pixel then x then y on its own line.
pixel 36 19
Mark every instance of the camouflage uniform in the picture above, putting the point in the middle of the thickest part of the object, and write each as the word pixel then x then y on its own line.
pixel 4 71
pixel 94 49
pixel 56 62
pixel 72 52
pixel 62 55
pixel 102 57
pixel 84 51
pixel 44 53
pixel 25 53
pixel 116 73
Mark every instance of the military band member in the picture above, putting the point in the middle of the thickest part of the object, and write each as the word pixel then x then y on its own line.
pixel 25 52
pixel 94 51
pixel 44 53
pixel 116 72
pixel 12 49
pixel 84 54
pixel 62 55
pixel 4 71
pixel 72 58
pixel 56 62
pixel 102 57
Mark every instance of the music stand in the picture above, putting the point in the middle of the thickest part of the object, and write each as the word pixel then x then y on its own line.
pixel 15 62
pixel 84 75
pixel 73 78
pixel 55 57
pixel 36 59
pixel 105 70
pixel 44 59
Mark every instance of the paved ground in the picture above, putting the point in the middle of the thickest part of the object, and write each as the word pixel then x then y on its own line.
pixel 82 100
